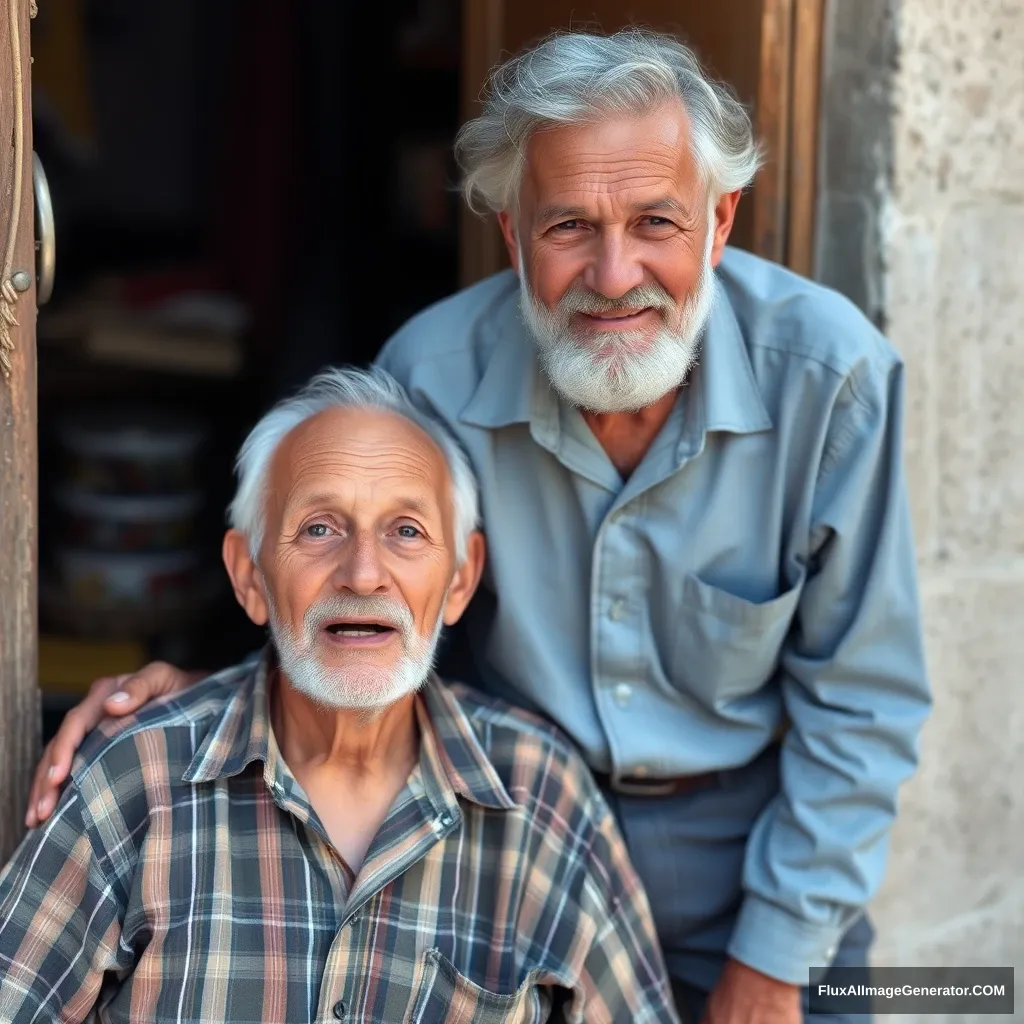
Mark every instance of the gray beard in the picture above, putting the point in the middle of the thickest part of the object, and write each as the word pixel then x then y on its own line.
pixel 631 379
pixel 365 688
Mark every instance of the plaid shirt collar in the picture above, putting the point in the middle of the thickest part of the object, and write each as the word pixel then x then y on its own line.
pixel 452 762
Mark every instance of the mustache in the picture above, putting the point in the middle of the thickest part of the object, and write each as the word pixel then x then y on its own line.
pixel 356 606
pixel 583 300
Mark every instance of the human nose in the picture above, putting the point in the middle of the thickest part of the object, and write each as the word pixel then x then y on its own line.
pixel 615 267
pixel 360 567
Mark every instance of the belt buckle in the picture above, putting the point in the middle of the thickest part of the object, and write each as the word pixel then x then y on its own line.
pixel 641 787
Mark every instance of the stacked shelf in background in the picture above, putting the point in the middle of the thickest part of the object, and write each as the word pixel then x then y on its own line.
pixel 127 563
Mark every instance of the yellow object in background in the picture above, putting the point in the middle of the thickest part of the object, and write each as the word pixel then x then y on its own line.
pixel 60 66
pixel 70 664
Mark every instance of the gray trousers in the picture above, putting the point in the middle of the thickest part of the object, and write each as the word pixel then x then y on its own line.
pixel 688 851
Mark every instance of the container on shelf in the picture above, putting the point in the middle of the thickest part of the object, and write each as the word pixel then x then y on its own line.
pixel 140 581
pixel 128 523
pixel 119 452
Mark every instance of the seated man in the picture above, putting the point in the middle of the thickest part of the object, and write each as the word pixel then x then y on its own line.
pixel 330 832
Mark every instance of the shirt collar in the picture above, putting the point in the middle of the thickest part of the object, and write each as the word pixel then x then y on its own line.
pixel 732 399
pixel 506 390
pixel 513 388
pixel 451 757
pixel 451 753
pixel 242 733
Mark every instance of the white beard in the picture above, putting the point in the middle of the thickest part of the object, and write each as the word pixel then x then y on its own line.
pixel 631 378
pixel 359 687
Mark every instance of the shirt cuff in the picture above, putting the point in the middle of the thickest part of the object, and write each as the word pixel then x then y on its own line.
pixel 775 942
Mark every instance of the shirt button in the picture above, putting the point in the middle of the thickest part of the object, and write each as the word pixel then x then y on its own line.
pixel 622 694
pixel 338 1010
pixel 617 610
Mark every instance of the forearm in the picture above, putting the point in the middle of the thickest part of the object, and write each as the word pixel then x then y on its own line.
pixel 818 853
pixel 855 687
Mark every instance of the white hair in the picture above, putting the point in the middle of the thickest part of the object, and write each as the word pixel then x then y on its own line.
pixel 347 388
pixel 575 78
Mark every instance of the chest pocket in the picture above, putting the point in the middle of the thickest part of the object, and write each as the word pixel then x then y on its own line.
pixel 444 996
pixel 726 646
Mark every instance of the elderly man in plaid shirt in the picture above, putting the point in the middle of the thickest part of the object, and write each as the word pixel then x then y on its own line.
pixel 329 832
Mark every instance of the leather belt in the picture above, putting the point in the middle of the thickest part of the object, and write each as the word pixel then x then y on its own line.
pixel 635 785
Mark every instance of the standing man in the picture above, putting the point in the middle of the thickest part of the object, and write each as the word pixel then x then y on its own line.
pixel 701 560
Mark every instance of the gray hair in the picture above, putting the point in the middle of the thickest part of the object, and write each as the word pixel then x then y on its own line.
pixel 576 78
pixel 347 388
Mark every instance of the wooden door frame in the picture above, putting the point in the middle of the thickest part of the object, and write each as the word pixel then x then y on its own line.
pixel 804 135
pixel 786 119
pixel 483 23
pixel 20 719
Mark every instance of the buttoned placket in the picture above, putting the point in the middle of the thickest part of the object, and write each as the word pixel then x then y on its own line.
pixel 439 816
pixel 349 946
pixel 337 991
pixel 620 574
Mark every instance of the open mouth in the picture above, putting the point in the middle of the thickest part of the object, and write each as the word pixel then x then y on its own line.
pixel 347 629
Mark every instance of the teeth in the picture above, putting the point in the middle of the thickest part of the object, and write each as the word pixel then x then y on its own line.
pixel 358 632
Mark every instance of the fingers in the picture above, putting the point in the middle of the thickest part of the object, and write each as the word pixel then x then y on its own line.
pixel 38 788
pixel 55 764
pixel 157 679
pixel 112 695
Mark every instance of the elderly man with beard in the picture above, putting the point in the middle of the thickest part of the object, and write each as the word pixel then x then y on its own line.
pixel 701 562
pixel 330 833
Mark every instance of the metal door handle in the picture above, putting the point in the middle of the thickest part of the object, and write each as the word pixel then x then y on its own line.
pixel 46 234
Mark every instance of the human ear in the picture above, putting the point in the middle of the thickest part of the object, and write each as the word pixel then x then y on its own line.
pixel 466 579
pixel 246 580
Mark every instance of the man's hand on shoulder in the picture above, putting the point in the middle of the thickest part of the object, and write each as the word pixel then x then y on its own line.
pixel 111 696
pixel 746 996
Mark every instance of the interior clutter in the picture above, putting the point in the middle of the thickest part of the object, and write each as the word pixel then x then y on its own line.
pixel 244 192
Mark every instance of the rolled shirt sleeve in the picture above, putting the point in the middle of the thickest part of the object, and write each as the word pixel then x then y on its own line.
pixel 59 921
pixel 855 689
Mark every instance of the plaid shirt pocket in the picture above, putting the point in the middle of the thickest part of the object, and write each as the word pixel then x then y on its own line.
pixel 442 995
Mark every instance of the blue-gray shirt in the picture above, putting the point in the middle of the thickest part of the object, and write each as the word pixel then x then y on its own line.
pixel 757 566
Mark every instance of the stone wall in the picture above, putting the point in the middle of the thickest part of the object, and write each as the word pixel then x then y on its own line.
pixel 953 243
pixel 921 221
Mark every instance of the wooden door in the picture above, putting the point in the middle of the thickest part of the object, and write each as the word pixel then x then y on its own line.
pixel 768 50
pixel 19 694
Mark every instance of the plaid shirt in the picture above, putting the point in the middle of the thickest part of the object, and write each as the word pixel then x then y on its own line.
pixel 184 876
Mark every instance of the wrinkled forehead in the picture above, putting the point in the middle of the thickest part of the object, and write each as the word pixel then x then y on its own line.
pixel 360 456
pixel 645 155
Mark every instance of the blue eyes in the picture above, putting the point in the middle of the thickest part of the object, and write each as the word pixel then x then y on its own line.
pixel 652 221
pixel 320 530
